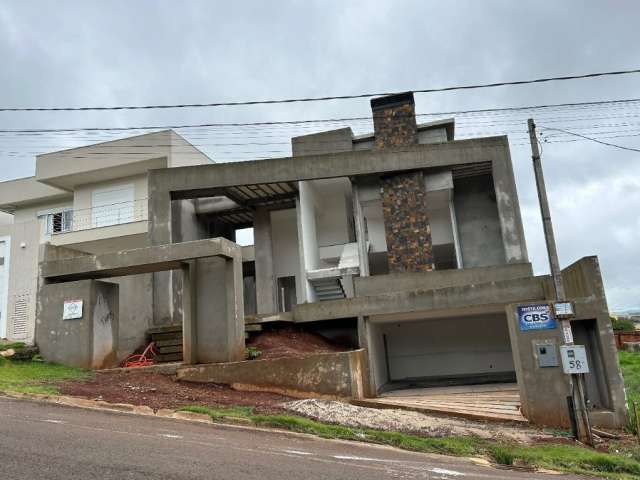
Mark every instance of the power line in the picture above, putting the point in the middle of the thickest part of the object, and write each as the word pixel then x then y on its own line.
pixel 312 121
pixel 591 139
pixel 319 99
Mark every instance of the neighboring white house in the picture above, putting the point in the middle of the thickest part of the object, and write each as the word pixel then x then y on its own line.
pixel 90 199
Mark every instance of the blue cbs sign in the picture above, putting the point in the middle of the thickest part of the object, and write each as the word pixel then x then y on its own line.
pixel 536 317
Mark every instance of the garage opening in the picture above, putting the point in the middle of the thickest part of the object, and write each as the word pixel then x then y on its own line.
pixel 467 350
pixel 458 365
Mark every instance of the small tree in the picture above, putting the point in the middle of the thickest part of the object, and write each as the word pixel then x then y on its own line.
pixel 622 324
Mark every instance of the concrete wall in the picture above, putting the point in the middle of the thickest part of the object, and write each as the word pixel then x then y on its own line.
pixel 478 222
pixel 405 282
pixel 332 225
pixel 333 375
pixel 135 311
pixel 544 390
pixel 377 359
pixel 324 142
pixel 87 342
pixel 456 346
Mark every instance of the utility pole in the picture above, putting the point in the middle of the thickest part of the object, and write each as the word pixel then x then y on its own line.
pixel 576 381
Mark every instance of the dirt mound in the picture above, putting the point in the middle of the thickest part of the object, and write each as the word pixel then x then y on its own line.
pixel 160 391
pixel 290 342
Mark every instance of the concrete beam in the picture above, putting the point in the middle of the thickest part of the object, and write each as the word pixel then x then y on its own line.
pixel 405 282
pixel 490 293
pixel 137 260
pixel 332 165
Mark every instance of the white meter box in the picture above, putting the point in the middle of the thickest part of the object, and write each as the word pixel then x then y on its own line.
pixel 574 359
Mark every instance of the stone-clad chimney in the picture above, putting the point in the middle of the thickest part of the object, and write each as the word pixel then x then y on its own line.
pixel 394 121
pixel 404 199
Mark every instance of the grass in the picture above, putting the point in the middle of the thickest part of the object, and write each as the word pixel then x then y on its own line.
pixel 35 377
pixel 630 365
pixel 13 345
pixel 567 458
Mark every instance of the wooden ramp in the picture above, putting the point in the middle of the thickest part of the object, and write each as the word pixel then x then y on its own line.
pixel 496 402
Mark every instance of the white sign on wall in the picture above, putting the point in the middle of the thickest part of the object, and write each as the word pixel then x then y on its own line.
pixel 574 359
pixel 72 309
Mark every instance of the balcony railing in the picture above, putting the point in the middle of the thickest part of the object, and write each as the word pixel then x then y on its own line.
pixel 98 216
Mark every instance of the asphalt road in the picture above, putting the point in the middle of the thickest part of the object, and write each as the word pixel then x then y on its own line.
pixel 52 442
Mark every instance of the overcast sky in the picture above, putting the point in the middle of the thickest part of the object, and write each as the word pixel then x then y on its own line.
pixel 148 52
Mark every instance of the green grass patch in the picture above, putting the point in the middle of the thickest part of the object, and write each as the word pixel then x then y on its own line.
pixel 13 345
pixel 236 411
pixel 630 365
pixel 567 458
pixel 35 377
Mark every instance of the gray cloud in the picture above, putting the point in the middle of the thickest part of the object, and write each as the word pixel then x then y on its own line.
pixel 122 52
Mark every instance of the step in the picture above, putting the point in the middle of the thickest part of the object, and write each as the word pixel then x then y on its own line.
pixel 170 349
pixel 165 329
pixel 168 343
pixel 169 357
pixel 156 337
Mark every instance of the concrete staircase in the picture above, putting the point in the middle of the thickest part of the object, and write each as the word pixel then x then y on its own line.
pixel 168 342
pixel 328 288
pixel 327 282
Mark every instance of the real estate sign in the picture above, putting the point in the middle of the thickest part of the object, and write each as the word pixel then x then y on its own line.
pixel 72 309
pixel 536 317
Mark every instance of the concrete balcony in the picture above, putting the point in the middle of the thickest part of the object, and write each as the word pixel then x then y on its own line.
pixel 107 227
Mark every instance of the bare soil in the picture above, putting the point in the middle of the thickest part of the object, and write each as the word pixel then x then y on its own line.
pixel 161 391
pixel 290 342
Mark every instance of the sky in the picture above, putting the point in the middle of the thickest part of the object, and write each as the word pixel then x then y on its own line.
pixel 80 53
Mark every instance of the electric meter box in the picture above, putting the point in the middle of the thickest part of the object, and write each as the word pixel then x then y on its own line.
pixel 547 355
pixel 574 359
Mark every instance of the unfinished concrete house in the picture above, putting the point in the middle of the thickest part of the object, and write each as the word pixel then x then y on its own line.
pixel 405 246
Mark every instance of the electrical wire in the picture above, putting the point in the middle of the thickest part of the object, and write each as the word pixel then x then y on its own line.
pixel 325 120
pixel 591 139
pixel 325 98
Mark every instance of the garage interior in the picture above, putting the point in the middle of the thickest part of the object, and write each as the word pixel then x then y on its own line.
pixel 460 364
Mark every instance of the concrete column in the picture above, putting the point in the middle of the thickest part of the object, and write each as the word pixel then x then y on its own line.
pixel 219 310
pixel 265 279
pixel 189 338
pixel 406 223
pixel 160 234
pixel 361 236
pixel 363 342
pixel 515 246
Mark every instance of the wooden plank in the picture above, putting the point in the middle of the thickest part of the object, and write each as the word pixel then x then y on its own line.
pixel 164 329
pixel 473 415
pixel 170 349
pixel 168 343
pixel 166 336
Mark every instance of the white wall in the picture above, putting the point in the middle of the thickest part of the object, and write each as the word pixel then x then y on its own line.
pixel 5 218
pixel 22 279
pixel 307 237
pixel 450 346
pixel 5 259
pixel 284 237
